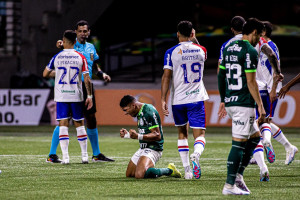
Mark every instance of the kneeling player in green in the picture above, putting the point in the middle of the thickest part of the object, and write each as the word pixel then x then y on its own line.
pixel 151 141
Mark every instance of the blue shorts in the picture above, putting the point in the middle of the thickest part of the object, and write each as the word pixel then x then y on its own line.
pixel 269 108
pixel 192 113
pixel 64 110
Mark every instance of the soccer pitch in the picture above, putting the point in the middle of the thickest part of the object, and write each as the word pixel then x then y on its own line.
pixel 26 175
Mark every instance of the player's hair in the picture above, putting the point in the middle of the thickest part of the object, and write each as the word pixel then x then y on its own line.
pixel 237 23
pixel 82 23
pixel 185 28
pixel 70 35
pixel 268 28
pixel 251 25
pixel 126 100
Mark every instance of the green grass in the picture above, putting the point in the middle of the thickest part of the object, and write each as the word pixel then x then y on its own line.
pixel 26 175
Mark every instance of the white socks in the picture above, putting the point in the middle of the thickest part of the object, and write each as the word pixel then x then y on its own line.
pixel 279 137
pixel 258 155
pixel 82 139
pixel 183 149
pixel 266 133
pixel 199 145
pixel 64 142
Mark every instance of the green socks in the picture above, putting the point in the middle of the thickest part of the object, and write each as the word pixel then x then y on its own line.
pixel 157 172
pixel 250 146
pixel 234 159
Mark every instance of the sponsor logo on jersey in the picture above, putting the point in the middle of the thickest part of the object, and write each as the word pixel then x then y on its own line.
pixel 238 122
pixel 68 91
pixel 191 51
pixel 231 99
pixel 180 52
pixel 67 57
pixel 193 92
pixel 234 47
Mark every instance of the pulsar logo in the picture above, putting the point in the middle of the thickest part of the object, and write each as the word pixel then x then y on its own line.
pixel 238 122
pixel 180 52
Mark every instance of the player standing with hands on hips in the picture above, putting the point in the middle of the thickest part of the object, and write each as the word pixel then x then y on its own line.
pixel 68 65
pixel 88 50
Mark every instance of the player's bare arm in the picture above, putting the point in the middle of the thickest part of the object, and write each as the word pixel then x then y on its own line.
pixel 267 50
pixel 153 136
pixel 194 38
pixel 253 88
pixel 46 73
pixel 288 86
pixel 101 74
pixel 165 84
pixel 88 86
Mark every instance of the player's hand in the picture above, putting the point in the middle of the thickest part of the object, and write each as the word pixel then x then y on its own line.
pixel 89 103
pixel 279 77
pixel 283 91
pixel 222 111
pixel 262 115
pixel 59 44
pixel 133 134
pixel 165 108
pixel 123 131
pixel 273 95
pixel 106 77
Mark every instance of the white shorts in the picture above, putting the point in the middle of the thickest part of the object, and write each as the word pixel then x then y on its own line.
pixel 243 121
pixel 149 153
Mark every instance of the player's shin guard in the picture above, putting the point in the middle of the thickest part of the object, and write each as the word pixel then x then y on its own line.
pixel 64 142
pixel 258 155
pixel 249 149
pixel 266 133
pixel 280 137
pixel 183 149
pixel 199 145
pixel 234 158
pixel 93 136
pixel 157 172
pixel 82 139
pixel 55 141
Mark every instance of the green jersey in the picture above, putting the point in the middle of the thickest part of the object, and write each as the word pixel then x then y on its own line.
pixel 147 119
pixel 239 58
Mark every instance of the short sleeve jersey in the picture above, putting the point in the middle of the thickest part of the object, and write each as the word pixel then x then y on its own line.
pixel 186 60
pixel 240 58
pixel 69 65
pixel 147 119
pixel 89 52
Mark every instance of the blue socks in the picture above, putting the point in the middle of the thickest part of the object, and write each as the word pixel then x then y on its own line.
pixel 93 136
pixel 55 141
